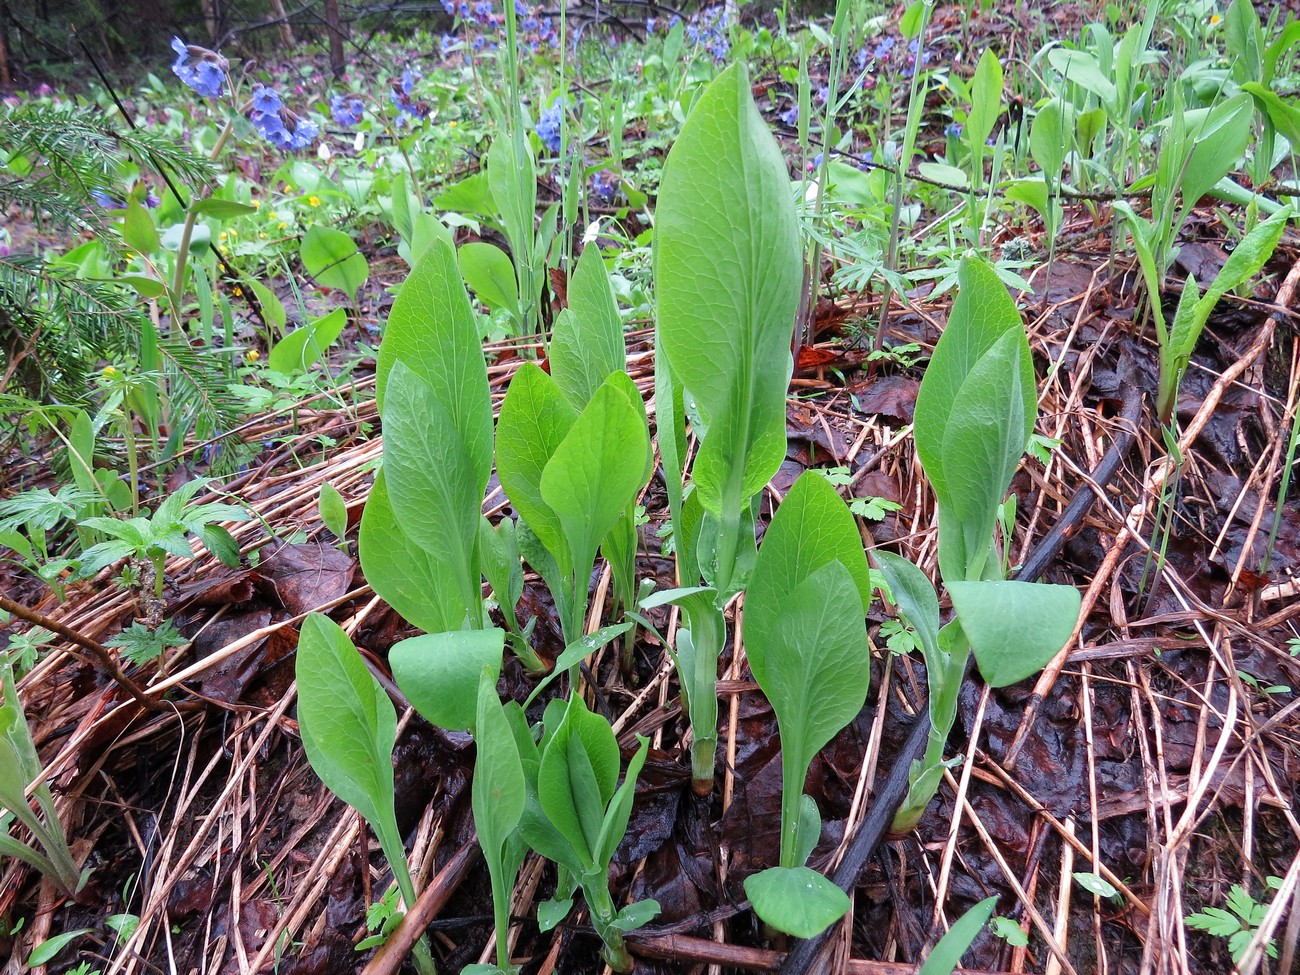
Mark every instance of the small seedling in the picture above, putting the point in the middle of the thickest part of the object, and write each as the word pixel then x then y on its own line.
pixel 1239 923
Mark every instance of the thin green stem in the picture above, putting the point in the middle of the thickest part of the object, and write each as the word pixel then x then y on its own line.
pixel 183 251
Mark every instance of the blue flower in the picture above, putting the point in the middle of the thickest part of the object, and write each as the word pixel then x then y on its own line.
pixel 106 201
pixel 266 100
pixel 790 116
pixel 953 130
pixel 548 127
pixel 347 110
pixel 409 77
pixel 521 8
pixel 279 126
pixel 605 185
pixel 201 69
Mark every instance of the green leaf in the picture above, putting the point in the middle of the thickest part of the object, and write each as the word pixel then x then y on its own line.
pixel 499 789
pixel 1221 134
pixel 587 346
pixel 596 471
pixel 435 490
pixel 796 900
pixel 1081 68
pixel 409 578
pixel 1014 628
pixel 333 512
pixel 347 722
pixel 535 418
pixel 946 955
pixel 986 99
pixel 439 673
pixel 636 915
pixel 333 259
pixel 487 269
pixel 302 348
pixel 619 808
pixel 138 229
pixel 578 775
pixel 728 277
pixel 48 950
pixel 1047 138
pixel 272 308
pixel 917 602
pixel 1094 883
pixel 221 209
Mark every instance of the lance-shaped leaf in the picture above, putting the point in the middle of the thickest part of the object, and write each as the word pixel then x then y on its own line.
pixel 727 277
pixel 577 778
pixel 347 722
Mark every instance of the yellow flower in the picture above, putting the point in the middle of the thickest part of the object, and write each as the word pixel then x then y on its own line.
pixel 275 215
pixel 313 201
pixel 110 372
pixel 257 204
pixel 283 225
pixel 1215 20
pixel 261 236
pixel 252 355
pixel 221 236
pixel 237 291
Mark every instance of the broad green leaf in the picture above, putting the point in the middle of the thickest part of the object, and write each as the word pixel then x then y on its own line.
pixel 1221 134
pixel 1014 628
pixel 439 672
pixel 983 442
pixel 1047 138
pixel 596 471
pixel 431 329
pixel 487 269
pixel 946 955
pixel 535 417
pixel 333 259
pixel 587 345
pixel 1284 115
pixel 144 287
pixel 222 209
pixel 813 664
pixel 728 278
pixel 409 578
pixel 347 722
pixel 1244 41
pixel 796 900
pixel 636 915
pixel 138 230
pixel 1081 68
pixel 982 313
pixel 434 488
pixel 470 195
pixel 302 348
pixel 986 98
pixel 812 528
pixel 578 775
pixel 1286 39
pixel 273 313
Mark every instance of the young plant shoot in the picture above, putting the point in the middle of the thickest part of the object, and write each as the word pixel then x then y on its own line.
pixel 975 413
pixel 727 278
pixel 806 639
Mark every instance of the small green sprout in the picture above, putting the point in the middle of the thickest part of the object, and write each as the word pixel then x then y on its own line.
pixel 1239 923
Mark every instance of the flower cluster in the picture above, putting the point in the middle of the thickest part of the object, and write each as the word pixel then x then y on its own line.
pixel 201 69
pixel 707 28
pixel 548 127
pixel 402 98
pixel 277 124
pixel 347 110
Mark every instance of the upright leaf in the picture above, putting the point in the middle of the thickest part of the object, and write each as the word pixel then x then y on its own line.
pixel 587 345
pixel 1014 628
pixel 728 277
pixel 439 673
pixel 333 259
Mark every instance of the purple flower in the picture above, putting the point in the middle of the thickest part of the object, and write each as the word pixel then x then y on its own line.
pixel 201 69
pixel 816 163
pixel 449 6
pixel 823 94
pixel 521 8
pixel 605 185
pixel 151 200
pixel 447 44
pixel 106 201
pixel 790 116
pixel 347 110
pixel 409 77
pixel 548 127
pixel 953 130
